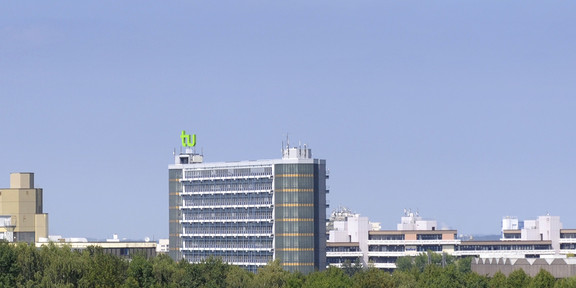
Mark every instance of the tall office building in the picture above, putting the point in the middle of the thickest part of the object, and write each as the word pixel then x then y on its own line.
pixel 21 215
pixel 250 212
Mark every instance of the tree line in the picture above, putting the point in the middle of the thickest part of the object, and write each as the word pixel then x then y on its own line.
pixel 24 265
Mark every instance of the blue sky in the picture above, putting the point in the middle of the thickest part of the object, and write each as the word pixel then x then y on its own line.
pixel 462 110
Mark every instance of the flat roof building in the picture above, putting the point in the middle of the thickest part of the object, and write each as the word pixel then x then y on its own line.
pixel 355 238
pixel 250 212
pixel 21 210
pixel 544 228
pixel 126 249
pixel 351 238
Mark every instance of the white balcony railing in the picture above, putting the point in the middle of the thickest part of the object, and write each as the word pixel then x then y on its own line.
pixel 413 242
pixel 344 254
pixel 502 253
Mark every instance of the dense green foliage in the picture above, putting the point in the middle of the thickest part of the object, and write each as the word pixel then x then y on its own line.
pixel 23 265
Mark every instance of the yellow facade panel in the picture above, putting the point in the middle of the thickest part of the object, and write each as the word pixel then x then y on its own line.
pixel 41 226
pixel 21 180
pixel 9 195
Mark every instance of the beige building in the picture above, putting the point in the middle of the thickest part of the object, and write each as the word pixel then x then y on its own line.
pixel 21 207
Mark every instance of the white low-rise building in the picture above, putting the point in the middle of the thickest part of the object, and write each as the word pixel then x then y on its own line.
pixel 121 248
pixel 351 238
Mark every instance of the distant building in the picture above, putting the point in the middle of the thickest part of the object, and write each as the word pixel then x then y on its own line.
pixel 250 212
pixel 350 238
pixel 505 249
pixel 121 248
pixel 353 239
pixel 22 218
pixel 163 247
pixel 544 228
pixel 540 238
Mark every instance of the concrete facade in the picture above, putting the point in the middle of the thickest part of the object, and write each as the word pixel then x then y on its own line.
pixel 24 204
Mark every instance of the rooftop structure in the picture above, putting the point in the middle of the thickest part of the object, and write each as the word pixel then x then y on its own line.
pixel 544 228
pixel 413 221
pixel 163 247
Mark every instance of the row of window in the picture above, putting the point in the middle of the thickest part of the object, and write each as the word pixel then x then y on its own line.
pixel 230 256
pixel 424 248
pixel 382 259
pixel 235 199
pixel 567 235
pixel 295 212
pixel 339 260
pixel 386 248
pixel 403 237
pixel 429 236
pixel 295 256
pixel 386 237
pixel 568 246
pixel 295 169
pixel 225 186
pixel 502 247
pixel 299 241
pixel 302 196
pixel 288 227
pixel 229 172
pixel 229 214
pixel 294 182
pixel 343 249
pixel 238 244
pixel 228 228
pixel 231 238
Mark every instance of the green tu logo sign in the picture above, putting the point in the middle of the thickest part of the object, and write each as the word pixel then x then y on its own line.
pixel 186 139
